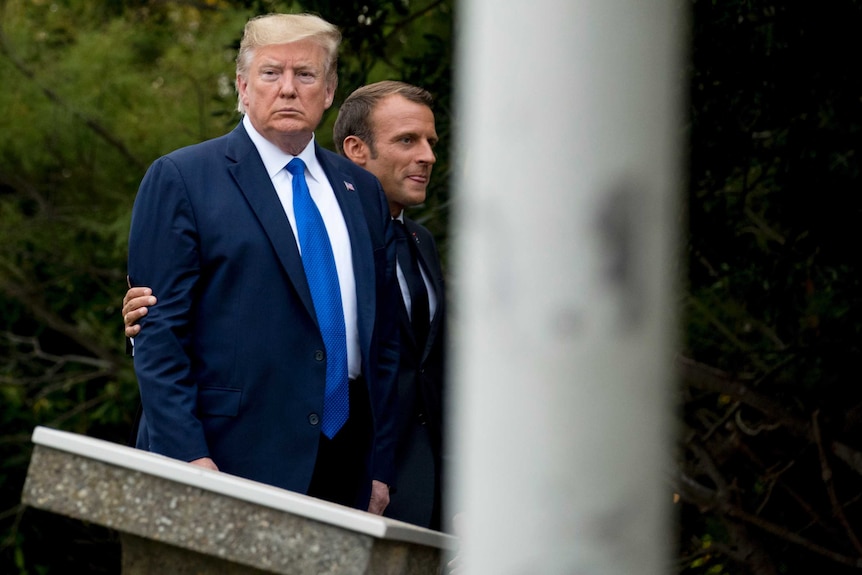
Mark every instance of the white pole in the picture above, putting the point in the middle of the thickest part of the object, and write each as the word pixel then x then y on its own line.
pixel 564 266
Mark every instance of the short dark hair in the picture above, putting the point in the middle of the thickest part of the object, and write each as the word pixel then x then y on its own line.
pixel 354 115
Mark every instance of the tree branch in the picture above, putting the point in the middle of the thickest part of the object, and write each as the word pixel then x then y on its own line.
pixel 90 123
pixel 706 498
pixel 826 472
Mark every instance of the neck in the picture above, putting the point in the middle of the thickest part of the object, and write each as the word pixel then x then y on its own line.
pixel 293 145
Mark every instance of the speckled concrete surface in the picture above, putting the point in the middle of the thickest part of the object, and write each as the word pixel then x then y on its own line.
pixel 196 530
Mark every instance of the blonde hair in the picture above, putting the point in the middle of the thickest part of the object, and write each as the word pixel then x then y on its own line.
pixel 284 29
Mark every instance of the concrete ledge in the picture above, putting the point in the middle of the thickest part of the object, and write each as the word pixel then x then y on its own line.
pixel 195 519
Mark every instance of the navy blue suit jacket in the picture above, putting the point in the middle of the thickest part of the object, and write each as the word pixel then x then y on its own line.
pixel 426 367
pixel 230 364
pixel 418 494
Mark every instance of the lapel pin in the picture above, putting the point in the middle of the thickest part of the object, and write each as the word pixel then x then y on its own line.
pixel 349 186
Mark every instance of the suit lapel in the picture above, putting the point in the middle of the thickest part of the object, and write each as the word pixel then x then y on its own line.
pixel 361 248
pixel 251 177
pixel 431 263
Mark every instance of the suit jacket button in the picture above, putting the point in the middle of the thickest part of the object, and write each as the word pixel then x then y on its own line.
pixel 313 419
pixel 318 355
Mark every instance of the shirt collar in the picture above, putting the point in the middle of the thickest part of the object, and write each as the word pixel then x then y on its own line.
pixel 274 159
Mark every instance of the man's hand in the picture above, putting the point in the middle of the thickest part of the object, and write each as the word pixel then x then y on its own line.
pixel 206 463
pixel 379 497
pixel 135 307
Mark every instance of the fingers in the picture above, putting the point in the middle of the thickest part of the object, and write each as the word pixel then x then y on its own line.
pixel 133 311
pixel 134 314
pixel 205 462
pixel 379 497
pixel 135 304
pixel 134 293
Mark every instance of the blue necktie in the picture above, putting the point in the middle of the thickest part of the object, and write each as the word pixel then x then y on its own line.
pixel 319 264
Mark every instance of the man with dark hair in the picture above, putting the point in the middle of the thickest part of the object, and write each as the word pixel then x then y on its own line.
pixel 388 128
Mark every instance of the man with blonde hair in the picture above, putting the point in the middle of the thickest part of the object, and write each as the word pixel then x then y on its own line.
pixel 273 351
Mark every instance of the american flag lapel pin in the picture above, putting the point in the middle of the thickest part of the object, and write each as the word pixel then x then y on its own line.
pixel 415 238
pixel 349 186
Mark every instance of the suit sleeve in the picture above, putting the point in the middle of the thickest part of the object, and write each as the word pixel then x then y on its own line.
pixel 388 342
pixel 164 254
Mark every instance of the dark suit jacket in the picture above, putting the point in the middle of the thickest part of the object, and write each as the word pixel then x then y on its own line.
pixel 421 401
pixel 230 364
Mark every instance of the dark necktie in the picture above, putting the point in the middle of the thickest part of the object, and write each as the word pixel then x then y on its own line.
pixel 409 262
pixel 320 271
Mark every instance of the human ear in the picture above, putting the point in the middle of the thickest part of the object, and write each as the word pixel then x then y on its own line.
pixel 355 150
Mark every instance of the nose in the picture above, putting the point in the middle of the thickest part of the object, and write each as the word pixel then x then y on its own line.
pixel 427 155
pixel 288 85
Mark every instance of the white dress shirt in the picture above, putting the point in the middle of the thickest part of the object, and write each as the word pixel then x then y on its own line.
pixel 405 291
pixel 275 161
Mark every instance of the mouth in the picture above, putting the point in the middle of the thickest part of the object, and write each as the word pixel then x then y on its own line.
pixel 418 178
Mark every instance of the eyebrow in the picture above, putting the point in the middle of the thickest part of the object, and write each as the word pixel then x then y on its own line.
pixel 276 63
pixel 415 135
